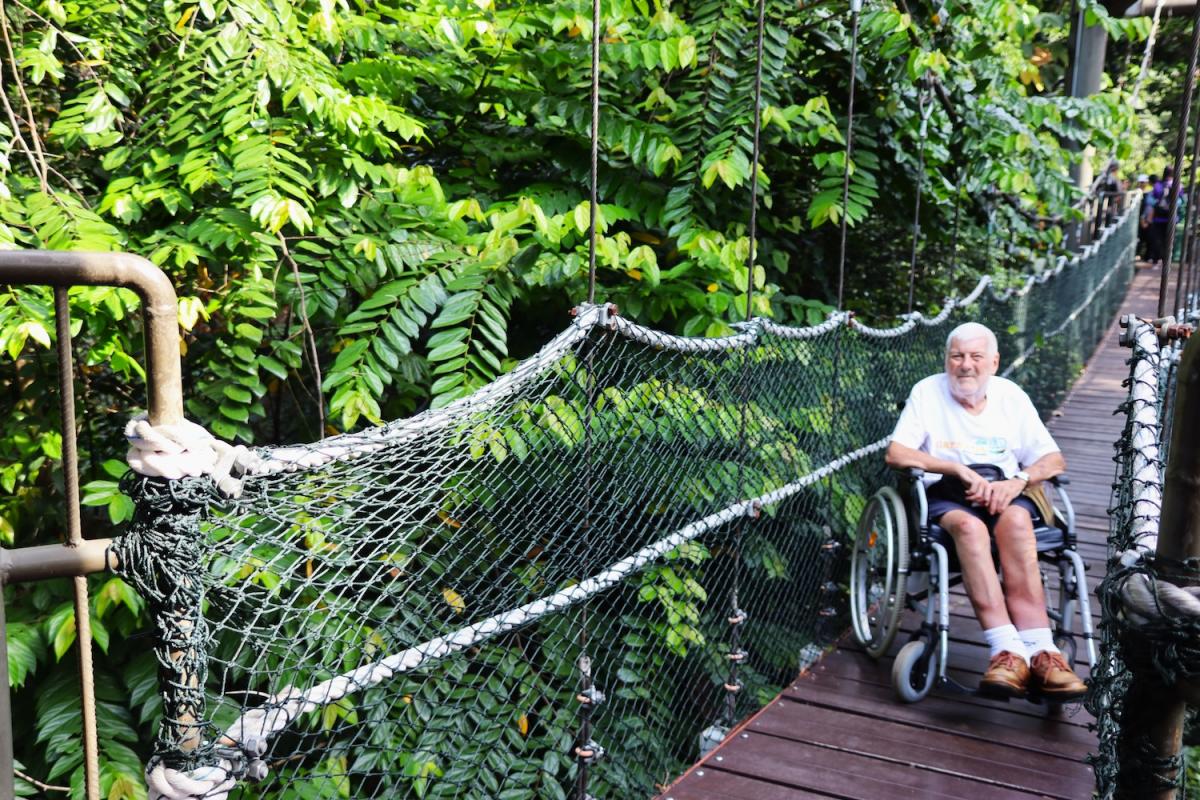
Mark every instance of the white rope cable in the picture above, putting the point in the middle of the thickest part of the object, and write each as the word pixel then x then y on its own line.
pixel 683 344
pixel 337 448
pixel 1146 600
pixel 1146 483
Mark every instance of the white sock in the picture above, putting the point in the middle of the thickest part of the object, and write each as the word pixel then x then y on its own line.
pixel 1038 639
pixel 1005 637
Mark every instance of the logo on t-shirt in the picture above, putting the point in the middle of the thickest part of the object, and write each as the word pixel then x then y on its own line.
pixel 981 447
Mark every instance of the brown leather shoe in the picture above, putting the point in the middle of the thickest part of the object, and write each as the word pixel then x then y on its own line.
pixel 1007 675
pixel 1054 678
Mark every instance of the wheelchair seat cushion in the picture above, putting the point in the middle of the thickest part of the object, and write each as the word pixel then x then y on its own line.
pixel 1048 537
pixel 940 506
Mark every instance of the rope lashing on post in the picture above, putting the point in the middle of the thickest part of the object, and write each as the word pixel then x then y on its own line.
pixel 186 450
pixel 1143 596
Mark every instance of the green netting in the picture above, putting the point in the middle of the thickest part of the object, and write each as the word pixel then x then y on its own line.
pixel 420 609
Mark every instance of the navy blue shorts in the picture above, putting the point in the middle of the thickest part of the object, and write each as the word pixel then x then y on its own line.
pixel 940 506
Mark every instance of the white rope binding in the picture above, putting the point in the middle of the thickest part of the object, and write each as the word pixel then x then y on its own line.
pixel 186 450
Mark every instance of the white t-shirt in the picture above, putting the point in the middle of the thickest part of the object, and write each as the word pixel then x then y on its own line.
pixel 1008 433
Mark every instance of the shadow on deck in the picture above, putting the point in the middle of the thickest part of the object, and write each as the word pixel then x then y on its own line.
pixel 839 732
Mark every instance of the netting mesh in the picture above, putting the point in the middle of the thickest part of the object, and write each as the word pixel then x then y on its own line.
pixel 417 611
pixel 1149 638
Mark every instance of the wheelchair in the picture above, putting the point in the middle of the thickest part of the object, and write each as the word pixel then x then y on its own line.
pixel 900 561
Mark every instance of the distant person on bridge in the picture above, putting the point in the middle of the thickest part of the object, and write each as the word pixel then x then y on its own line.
pixel 956 425
pixel 1156 216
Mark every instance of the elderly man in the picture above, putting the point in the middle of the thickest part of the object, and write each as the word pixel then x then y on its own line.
pixel 966 417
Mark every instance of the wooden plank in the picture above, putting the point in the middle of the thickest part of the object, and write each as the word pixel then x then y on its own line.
pixel 965 667
pixel 713 784
pixel 987 720
pixel 849 775
pixel 970 758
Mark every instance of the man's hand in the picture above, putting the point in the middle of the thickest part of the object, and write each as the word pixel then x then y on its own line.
pixel 978 489
pixel 1003 493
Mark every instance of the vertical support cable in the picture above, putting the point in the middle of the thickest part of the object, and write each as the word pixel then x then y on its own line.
pixel 586 750
pixel 923 108
pixel 750 260
pixel 737 617
pixel 1180 140
pixel 1189 215
pixel 855 8
pixel 954 236
pixel 70 462
pixel 595 158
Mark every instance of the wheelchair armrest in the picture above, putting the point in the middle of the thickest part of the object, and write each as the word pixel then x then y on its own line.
pixel 912 473
pixel 1060 480
pixel 918 503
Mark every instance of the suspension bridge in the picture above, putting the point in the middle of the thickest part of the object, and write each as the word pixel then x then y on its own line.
pixel 575 580
pixel 568 582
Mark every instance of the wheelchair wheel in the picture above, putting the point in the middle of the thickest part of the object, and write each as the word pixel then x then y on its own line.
pixel 1069 647
pixel 914 670
pixel 879 572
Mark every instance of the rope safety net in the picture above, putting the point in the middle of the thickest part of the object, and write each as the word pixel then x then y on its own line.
pixel 1151 604
pixel 396 613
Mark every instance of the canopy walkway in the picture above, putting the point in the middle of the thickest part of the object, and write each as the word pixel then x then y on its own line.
pixel 838 730
pixel 564 583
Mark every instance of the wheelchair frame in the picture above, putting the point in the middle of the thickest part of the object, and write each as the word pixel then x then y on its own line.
pixel 913 671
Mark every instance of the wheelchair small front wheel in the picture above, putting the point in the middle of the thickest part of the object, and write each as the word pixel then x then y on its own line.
pixel 1069 647
pixel 879 572
pixel 914 671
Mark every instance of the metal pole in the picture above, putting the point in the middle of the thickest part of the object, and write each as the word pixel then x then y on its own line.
pixel 7 787
pixel 1185 114
pixel 79 557
pixel 70 464
pixel 160 309
pixel 1189 215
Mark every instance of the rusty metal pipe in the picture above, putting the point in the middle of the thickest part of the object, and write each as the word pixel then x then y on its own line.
pixel 160 309
pixel 7 765
pixel 70 465
pixel 27 564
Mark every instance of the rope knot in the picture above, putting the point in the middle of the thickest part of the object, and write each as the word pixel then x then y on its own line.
pixel 186 450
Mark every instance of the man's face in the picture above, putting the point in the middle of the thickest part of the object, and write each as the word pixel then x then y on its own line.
pixel 969 366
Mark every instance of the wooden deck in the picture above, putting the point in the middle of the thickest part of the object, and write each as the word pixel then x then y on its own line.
pixel 838 731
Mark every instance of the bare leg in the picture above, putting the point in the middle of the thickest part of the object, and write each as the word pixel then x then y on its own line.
pixel 974 548
pixel 1023 591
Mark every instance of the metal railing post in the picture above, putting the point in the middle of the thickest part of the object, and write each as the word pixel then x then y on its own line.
pixel 7 766
pixel 78 557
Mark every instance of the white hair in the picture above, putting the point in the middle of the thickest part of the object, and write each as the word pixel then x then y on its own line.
pixel 973 330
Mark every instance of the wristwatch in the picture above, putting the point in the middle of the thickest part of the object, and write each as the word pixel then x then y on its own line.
pixel 1023 475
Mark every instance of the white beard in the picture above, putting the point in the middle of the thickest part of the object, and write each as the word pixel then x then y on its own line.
pixel 973 397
